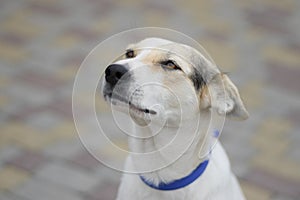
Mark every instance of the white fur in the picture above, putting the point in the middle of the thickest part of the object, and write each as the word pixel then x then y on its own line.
pixel 217 183
pixel 178 109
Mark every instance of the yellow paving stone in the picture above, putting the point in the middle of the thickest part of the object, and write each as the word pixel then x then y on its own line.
pixel 213 24
pixel 277 126
pixel 255 34
pixel 204 16
pixel 271 139
pixel 4 138
pixel 271 148
pixel 67 41
pixel 103 25
pixel 25 136
pixel 135 3
pixel 4 100
pixel 33 140
pixel 280 166
pixel 154 18
pixel 11 129
pixel 252 94
pixel 10 177
pixel 46 2
pixel 288 4
pixel 272 143
pixel 67 72
pixel 197 14
pixel 66 130
pixel 253 192
pixel 282 55
pixel 223 53
pixel 4 80
pixel 17 23
pixel 12 53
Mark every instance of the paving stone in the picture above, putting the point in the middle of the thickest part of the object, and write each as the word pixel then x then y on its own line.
pixel 268 20
pixel 253 191
pixel 224 53
pixel 63 106
pixel 282 54
pixel 37 189
pixel 63 149
pixel 68 176
pixel 85 160
pixel 284 77
pixel 37 96
pixel 46 8
pixel 252 94
pixel 32 139
pixel 28 160
pixel 11 177
pixel 12 53
pixel 282 197
pixel 8 152
pixel 41 80
pixel 10 196
pixel 273 182
pixel 44 120
pixel 106 190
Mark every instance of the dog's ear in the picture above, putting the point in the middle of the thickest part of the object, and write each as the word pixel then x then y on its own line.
pixel 223 96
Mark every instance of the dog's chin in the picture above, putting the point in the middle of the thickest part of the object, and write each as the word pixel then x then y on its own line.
pixel 140 116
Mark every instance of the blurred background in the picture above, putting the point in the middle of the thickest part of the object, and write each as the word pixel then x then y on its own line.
pixel 43 42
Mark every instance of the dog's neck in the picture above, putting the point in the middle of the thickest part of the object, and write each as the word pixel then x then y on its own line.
pixel 188 159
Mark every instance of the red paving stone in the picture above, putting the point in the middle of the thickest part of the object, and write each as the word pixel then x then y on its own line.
pixel 294 116
pixel 13 39
pixel 85 160
pixel 62 106
pixel 283 76
pixel 28 160
pixel 270 19
pixel 273 182
pixel 105 191
pixel 49 9
pixel 42 80
pixel 25 112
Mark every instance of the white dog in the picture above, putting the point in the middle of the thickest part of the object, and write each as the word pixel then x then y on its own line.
pixel 170 91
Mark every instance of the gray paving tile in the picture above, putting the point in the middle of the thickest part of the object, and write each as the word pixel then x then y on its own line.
pixel 28 160
pixel 68 176
pixel 64 149
pixel 10 196
pixel 44 120
pixel 37 189
pixel 8 152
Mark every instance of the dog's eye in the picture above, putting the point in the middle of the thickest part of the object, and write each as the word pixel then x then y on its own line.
pixel 130 54
pixel 169 64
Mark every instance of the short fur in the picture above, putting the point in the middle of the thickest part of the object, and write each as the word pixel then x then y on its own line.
pixel 177 97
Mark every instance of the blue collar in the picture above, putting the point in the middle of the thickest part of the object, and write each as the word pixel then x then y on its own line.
pixel 180 183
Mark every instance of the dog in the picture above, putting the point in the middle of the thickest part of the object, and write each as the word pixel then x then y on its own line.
pixel 166 88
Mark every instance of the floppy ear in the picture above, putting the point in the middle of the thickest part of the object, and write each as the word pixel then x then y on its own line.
pixel 221 94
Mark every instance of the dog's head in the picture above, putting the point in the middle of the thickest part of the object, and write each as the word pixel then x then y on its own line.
pixel 157 79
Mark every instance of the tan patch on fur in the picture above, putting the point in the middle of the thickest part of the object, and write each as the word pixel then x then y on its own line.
pixel 204 97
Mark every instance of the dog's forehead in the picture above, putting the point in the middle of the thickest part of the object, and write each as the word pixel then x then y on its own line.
pixel 152 43
pixel 164 46
pixel 190 55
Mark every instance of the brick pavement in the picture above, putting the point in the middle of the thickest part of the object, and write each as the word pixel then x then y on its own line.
pixel 42 44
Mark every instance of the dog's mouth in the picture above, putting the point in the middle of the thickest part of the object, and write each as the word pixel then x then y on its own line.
pixel 117 99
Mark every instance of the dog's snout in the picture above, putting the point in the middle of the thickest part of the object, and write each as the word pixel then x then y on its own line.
pixel 114 73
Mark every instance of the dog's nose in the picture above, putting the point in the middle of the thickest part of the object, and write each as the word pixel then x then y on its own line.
pixel 114 73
